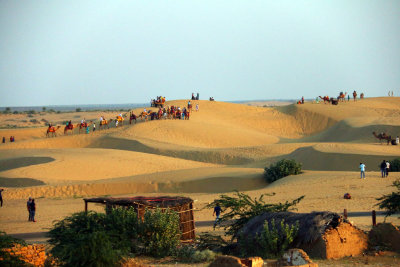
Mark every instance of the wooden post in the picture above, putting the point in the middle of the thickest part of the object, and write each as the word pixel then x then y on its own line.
pixel 373 218
pixel 345 213
pixel 85 206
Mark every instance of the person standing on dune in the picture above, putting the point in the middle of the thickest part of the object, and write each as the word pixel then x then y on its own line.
pixel 217 212
pixel 28 206
pixel 1 197
pixel 387 167
pixel 362 168
pixel 32 207
pixel 383 169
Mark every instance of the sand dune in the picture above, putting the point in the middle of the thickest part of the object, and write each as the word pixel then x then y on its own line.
pixel 221 148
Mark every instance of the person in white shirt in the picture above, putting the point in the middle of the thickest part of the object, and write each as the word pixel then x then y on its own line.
pixel 397 140
pixel 387 168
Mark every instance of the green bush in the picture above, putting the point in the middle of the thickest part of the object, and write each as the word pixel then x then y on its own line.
pixel 97 239
pixel 159 233
pixel 122 226
pixel 190 254
pixel 282 169
pixel 81 240
pixel 272 242
pixel 391 202
pixel 395 165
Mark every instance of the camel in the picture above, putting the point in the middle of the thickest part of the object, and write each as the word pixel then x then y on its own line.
pixel 342 96
pixel 383 136
pixel 143 115
pixel 84 125
pixel 120 120
pixel 70 127
pixel 52 130
pixel 105 123
pixel 362 96
pixel 325 98
pixel 132 117
pixel 354 95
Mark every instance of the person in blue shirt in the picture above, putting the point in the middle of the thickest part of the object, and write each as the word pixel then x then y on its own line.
pixel 362 168
pixel 217 213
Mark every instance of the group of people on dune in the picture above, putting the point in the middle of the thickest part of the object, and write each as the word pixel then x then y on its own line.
pixel 341 97
pixel 12 139
pixel 170 112
pixel 159 101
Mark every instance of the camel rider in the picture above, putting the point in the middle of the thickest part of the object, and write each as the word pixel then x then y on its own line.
pixel 101 120
pixel 69 123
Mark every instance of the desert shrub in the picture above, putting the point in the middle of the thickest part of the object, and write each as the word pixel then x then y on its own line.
pixel 271 242
pixel 241 208
pixel 190 254
pixel 395 165
pixel 391 202
pixel 34 121
pixel 159 233
pixel 281 169
pixel 81 240
pixel 122 227
pixel 78 109
pixel 7 241
pixel 15 112
pixel 32 111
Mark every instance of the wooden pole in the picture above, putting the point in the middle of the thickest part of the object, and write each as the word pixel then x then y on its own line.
pixel 85 206
pixel 373 218
pixel 345 213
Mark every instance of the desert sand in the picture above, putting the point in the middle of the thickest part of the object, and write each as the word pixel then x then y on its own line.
pixel 222 148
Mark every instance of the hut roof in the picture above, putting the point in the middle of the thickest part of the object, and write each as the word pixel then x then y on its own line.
pixel 161 202
pixel 311 225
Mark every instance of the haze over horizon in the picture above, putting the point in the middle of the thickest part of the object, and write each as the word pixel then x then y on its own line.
pixel 117 52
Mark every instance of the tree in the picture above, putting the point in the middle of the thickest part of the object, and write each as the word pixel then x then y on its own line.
pixel 391 202
pixel 241 208
pixel 78 110
pixel 44 109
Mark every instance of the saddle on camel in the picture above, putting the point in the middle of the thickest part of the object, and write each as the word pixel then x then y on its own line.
pixel 69 127
pixel 52 130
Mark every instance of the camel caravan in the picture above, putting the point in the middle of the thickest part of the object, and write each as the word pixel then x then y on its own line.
pixel 169 112
pixel 340 98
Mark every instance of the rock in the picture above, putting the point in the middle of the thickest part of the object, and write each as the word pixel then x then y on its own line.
pixel 227 261
pixel 253 262
pixel 296 257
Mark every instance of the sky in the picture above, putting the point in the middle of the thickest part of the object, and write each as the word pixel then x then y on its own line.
pixel 117 52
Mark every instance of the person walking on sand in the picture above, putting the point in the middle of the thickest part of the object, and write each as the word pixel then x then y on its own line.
pixel 32 206
pixel 1 197
pixel 362 168
pixel 217 212
pixel 94 126
pixel 28 206
pixel 387 167
pixel 383 169
pixel 4 139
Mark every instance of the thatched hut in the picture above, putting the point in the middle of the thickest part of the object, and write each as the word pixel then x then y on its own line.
pixel 182 205
pixel 321 234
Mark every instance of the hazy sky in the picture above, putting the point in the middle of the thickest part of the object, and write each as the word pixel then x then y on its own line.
pixel 103 52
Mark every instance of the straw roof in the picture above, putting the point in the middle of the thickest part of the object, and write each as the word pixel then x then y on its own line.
pixel 311 225
pixel 161 202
